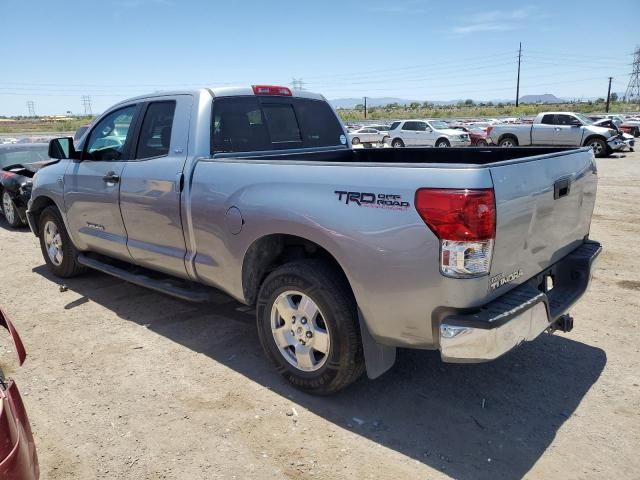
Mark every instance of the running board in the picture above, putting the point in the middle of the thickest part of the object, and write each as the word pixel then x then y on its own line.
pixel 158 282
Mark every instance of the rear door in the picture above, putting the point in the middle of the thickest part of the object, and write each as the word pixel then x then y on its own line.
pixel 92 185
pixel 424 134
pixel 544 133
pixel 150 190
pixel 544 206
pixel 409 133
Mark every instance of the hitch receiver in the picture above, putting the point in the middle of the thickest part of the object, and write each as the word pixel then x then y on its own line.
pixel 564 323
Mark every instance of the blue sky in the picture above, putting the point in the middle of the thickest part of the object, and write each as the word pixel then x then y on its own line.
pixel 53 52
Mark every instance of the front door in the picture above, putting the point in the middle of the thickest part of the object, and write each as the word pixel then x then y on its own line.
pixel 92 185
pixel 151 185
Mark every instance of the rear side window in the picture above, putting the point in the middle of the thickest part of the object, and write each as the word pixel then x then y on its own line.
pixel 155 134
pixel 242 124
pixel 548 120
pixel 409 126
pixel 394 125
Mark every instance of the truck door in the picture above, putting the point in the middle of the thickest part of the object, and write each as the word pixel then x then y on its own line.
pixel 91 185
pixel 543 133
pixel 150 189
pixel 568 130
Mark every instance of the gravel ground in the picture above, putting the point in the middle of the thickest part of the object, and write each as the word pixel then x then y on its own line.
pixel 125 383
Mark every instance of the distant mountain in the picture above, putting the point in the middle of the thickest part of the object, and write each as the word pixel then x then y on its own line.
pixel 546 98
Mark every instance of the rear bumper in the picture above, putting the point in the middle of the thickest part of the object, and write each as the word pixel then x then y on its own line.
pixel 521 314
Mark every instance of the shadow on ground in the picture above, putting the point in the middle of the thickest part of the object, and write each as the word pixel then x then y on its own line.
pixel 492 420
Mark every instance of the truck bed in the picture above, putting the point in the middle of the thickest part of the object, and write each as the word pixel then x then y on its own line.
pixel 465 156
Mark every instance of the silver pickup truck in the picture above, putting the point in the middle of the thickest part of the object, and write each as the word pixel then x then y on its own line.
pixel 562 129
pixel 346 254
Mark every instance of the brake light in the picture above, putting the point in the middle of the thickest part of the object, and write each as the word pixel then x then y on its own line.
pixel 271 90
pixel 465 221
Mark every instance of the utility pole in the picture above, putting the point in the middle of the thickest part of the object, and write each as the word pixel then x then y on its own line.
pixel 86 103
pixel 365 108
pixel 609 94
pixel 633 89
pixel 518 84
pixel 32 108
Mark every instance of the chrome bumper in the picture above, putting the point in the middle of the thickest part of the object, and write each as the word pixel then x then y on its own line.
pixel 521 314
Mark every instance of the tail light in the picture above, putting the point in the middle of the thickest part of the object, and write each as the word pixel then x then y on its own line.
pixel 465 222
pixel 271 90
pixel 489 128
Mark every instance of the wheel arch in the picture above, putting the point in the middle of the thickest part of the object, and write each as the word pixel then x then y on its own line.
pixel 38 205
pixel 592 137
pixel 508 135
pixel 443 138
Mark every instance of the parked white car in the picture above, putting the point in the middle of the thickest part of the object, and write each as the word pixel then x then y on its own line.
pixel 430 133
pixel 367 135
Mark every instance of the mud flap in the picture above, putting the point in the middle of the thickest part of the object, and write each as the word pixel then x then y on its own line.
pixel 378 358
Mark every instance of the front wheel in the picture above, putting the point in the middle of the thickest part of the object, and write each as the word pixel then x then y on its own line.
pixel 443 143
pixel 355 141
pixel 59 253
pixel 308 326
pixel 599 147
pixel 10 211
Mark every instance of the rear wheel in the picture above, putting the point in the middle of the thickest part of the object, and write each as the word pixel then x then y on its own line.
pixel 10 211
pixel 308 326
pixel 58 251
pixel 599 147
pixel 508 142
pixel 443 143
pixel 636 132
pixel 397 143
pixel 481 143
pixel 355 141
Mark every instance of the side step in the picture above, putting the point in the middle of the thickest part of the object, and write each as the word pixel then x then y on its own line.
pixel 166 284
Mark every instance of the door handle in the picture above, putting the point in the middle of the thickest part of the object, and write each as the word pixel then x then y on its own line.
pixel 561 188
pixel 111 177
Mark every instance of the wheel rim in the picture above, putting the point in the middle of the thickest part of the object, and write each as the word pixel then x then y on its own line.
pixel 507 143
pixel 597 147
pixel 53 243
pixel 442 145
pixel 397 144
pixel 7 208
pixel 299 330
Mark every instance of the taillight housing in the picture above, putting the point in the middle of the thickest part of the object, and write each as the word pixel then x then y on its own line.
pixel 488 129
pixel 465 222
pixel 271 90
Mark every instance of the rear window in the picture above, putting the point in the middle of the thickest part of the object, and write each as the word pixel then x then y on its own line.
pixel 242 124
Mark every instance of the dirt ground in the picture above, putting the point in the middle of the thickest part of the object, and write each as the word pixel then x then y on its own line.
pixel 124 383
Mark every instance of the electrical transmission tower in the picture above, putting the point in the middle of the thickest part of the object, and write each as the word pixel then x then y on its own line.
pixel 633 89
pixel 86 103
pixel 297 84
pixel 32 108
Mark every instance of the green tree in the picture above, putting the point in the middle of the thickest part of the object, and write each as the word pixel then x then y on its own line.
pixel 614 97
pixel 468 102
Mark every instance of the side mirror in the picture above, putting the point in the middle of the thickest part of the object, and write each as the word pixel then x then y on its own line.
pixel 62 148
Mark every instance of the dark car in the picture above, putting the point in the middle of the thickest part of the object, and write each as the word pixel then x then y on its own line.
pixel 18 164
pixel 18 457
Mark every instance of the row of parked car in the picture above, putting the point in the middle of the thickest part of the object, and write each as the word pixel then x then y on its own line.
pixel 604 133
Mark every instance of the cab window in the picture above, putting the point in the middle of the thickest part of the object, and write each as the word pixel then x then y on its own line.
pixel 155 134
pixel 109 137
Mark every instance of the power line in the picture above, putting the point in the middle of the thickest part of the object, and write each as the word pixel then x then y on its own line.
pixel 32 108
pixel 633 89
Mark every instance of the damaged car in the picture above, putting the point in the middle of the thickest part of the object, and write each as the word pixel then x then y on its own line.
pixel 18 457
pixel 18 164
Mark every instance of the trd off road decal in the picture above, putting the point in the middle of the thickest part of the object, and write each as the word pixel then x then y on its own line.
pixel 372 200
pixel 502 279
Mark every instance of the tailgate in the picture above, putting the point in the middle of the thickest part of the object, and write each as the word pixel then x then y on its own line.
pixel 543 211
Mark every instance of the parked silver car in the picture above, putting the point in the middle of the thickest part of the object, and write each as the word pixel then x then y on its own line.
pixel 368 135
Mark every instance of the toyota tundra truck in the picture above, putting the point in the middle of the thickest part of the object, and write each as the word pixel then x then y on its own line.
pixel 562 129
pixel 346 254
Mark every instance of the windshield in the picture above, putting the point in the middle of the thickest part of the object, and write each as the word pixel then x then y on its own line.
pixel 583 119
pixel 438 125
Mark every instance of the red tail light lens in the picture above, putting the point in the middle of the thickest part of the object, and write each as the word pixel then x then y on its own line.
pixel 271 90
pixel 489 128
pixel 459 215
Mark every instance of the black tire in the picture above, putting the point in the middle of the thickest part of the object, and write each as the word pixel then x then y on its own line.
pixel 636 132
pixel 69 266
pixel 12 217
pixel 397 143
pixel 330 292
pixel 355 141
pixel 599 146
pixel 443 143
pixel 482 143
pixel 508 142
